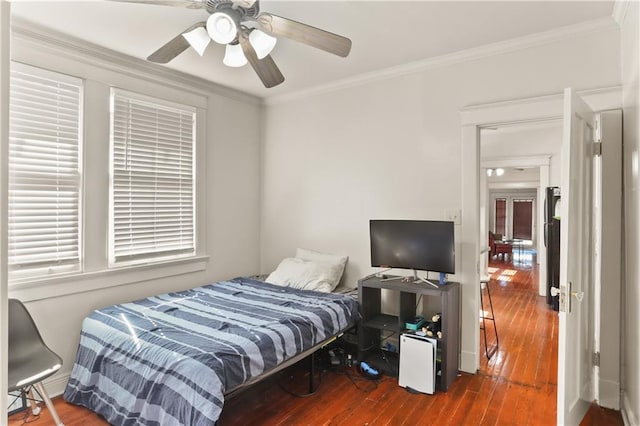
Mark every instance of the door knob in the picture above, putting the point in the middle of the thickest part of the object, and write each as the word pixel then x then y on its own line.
pixel 579 295
pixel 564 302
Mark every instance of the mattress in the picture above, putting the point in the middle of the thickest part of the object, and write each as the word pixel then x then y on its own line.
pixel 170 359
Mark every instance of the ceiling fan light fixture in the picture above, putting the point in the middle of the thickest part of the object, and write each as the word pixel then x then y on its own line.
pixel 198 39
pixel 222 27
pixel 262 42
pixel 233 56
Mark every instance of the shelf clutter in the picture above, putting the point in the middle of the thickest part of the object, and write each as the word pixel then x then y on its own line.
pixel 380 334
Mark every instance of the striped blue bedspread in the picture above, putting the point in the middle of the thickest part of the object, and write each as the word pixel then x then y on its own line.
pixel 170 359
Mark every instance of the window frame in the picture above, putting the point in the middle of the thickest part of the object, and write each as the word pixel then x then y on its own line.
pixel 99 76
pixel 47 271
pixel 153 101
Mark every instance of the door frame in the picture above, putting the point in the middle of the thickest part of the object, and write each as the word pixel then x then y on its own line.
pixel 472 119
pixel 5 37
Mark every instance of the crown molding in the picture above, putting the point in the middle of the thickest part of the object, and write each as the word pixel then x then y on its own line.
pixel 520 186
pixel 493 49
pixel 92 54
pixel 620 8
pixel 511 161
pixel 538 108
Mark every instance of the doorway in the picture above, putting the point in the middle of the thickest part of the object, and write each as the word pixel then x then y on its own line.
pixel 517 163
pixel 474 119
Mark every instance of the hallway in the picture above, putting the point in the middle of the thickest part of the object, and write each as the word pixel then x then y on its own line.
pixel 528 330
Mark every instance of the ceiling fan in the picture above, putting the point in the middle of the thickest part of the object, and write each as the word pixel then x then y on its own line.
pixel 247 34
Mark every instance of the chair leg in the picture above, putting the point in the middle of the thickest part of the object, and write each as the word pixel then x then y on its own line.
pixel 35 408
pixel 495 327
pixel 494 348
pixel 47 401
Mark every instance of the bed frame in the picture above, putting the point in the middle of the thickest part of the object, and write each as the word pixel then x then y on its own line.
pixel 288 363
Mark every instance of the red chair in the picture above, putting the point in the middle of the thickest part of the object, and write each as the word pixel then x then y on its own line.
pixel 499 247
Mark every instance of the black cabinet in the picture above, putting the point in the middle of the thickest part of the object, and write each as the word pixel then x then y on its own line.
pixel 375 326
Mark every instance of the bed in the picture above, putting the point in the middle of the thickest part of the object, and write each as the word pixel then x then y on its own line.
pixel 172 358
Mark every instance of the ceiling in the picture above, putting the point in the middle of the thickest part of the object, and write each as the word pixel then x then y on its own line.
pixel 385 34
pixel 516 174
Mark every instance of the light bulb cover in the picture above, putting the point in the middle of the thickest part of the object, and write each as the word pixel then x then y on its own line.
pixel 499 172
pixel 262 42
pixel 198 39
pixel 234 56
pixel 222 27
pixel 489 172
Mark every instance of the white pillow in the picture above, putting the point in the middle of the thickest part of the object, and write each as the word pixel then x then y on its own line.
pixel 304 274
pixel 335 262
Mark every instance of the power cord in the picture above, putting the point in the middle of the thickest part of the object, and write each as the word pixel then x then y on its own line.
pixel 28 417
pixel 355 378
pixel 302 395
pixel 392 368
pixel 377 342
pixel 309 377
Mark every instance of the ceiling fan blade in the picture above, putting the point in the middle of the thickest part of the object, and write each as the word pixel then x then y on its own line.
pixel 191 4
pixel 173 47
pixel 320 39
pixel 266 68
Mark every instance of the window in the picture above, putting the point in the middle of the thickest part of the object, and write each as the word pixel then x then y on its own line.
pixel 44 172
pixel 522 219
pixel 501 216
pixel 152 179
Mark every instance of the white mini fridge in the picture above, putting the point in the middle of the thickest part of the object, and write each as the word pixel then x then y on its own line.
pixel 418 363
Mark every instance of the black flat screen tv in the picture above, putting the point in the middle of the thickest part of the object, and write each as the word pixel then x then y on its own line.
pixel 423 245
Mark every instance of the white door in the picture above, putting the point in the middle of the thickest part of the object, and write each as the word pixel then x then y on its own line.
pixel 576 261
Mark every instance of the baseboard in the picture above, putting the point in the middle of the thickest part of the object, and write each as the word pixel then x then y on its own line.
pixel 56 384
pixel 469 362
pixel 628 416
pixel 609 396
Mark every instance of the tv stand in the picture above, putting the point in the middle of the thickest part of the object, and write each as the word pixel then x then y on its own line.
pixel 376 326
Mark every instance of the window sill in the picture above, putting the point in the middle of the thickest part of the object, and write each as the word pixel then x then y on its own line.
pixel 82 282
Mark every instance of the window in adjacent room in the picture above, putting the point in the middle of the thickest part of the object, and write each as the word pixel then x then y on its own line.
pixel 44 218
pixel 523 219
pixel 152 179
pixel 501 216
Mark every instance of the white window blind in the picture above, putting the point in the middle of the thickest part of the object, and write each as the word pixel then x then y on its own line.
pixel 44 172
pixel 152 191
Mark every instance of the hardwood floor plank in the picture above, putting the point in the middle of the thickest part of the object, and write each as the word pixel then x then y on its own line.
pixel 494 406
pixel 478 410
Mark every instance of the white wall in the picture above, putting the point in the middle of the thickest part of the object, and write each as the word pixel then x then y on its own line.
pixel 227 187
pixel 631 157
pixel 392 149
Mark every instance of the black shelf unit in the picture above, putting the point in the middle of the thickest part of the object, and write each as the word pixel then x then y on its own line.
pixel 376 326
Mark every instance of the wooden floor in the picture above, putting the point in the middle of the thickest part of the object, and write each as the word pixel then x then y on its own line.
pixel 516 386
